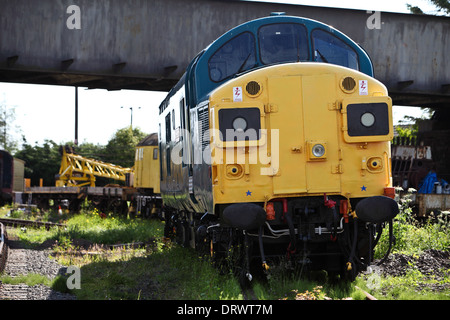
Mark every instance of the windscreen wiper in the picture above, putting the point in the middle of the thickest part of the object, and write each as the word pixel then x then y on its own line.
pixel 322 57
pixel 243 64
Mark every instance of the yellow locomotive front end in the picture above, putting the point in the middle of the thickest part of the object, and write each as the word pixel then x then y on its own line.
pixel 300 130
pixel 306 142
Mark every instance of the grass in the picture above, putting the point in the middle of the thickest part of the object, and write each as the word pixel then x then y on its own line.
pixel 413 236
pixel 412 286
pixel 31 279
pixel 159 269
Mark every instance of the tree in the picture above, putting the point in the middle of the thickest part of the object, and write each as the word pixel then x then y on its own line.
pixel 44 161
pixel 409 126
pixel 414 9
pixel 441 5
pixel 7 126
pixel 121 149
pixel 41 162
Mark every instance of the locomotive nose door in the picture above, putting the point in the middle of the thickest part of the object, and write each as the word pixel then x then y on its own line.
pixel 308 133
pixel 321 129
pixel 286 116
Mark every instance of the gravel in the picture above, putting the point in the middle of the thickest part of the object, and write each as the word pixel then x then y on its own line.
pixel 23 261
pixel 433 264
pixel 430 263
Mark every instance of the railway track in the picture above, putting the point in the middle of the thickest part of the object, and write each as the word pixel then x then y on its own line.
pixel 16 260
pixel 3 247
pixel 28 223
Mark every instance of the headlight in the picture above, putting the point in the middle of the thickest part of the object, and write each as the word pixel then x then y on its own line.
pixel 367 119
pixel 239 124
pixel 318 150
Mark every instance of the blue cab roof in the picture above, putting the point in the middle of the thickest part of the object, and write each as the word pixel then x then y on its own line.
pixel 301 39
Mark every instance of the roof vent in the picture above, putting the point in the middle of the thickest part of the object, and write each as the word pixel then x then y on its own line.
pixel 278 13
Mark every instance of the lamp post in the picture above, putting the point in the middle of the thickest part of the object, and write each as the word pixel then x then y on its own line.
pixel 131 120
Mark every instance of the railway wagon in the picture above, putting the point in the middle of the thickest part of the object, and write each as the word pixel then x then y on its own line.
pixel 276 144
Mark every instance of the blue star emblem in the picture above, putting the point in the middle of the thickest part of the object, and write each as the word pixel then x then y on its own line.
pixel 249 193
pixel 363 188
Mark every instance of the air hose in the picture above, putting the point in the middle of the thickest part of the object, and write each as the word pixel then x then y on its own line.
pixel 261 248
pixel 391 241
pixel 355 240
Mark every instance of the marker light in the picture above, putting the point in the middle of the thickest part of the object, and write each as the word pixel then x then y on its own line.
pixel 318 150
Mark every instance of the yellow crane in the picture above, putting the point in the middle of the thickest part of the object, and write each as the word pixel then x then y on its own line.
pixel 79 171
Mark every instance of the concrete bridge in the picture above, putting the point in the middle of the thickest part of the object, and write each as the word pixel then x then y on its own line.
pixel 146 45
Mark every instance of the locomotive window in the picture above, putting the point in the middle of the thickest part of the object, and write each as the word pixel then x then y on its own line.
pixel 283 42
pixel 182 114
pixel 330 49
pixel 168 129
pixel 235 56
pixel 367 119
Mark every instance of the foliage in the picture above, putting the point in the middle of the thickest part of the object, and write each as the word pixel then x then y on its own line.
pixel 31 279
pixel 158 269
pixel 409 126
pixel 414 9
pixel 441 5
pixel 408 131
pixel 89 150
pixel 44 161
pixel 7 117
pixel 413 236
pixel 120 149
pixel 41 162
pixel 414 285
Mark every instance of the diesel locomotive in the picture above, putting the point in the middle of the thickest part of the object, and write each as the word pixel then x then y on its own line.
pixel 275 143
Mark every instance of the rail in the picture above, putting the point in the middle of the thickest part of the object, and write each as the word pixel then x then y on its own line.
pixel 3 248
pixel 368 295
pixel 21 222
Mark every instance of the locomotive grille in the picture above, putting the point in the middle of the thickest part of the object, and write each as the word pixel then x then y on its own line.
pixel 253 88
pixel 203 126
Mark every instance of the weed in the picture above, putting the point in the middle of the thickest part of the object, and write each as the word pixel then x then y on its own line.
pixel 160 269
pixel 30 279
pixel 413 237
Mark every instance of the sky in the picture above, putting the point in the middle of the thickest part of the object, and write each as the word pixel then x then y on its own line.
pixel 48 112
